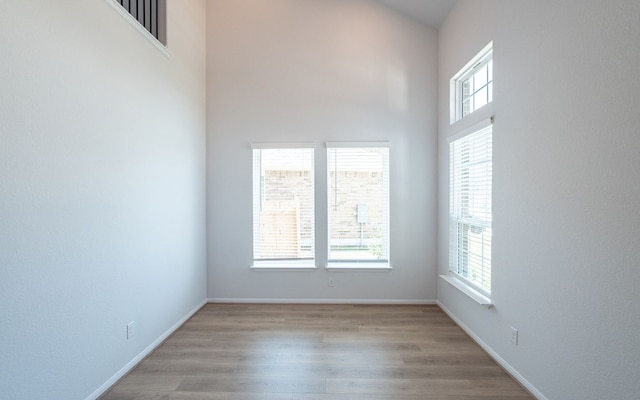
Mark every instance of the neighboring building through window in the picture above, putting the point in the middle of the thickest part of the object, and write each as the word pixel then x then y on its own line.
pixel 358 202
pixel 472 87
pixel 283 204
pixel 470 216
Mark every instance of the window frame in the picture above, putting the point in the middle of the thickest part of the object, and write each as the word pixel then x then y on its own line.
pixel 483 58
pixel 481 294
pixel 372 264
pixel 257 189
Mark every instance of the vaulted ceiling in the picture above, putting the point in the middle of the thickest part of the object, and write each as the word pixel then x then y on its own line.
pixel 429 12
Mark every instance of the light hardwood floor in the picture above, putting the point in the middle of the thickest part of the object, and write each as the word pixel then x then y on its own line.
pixel 318 352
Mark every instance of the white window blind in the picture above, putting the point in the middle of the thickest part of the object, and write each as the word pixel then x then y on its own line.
pixel 470 209
pixel 358 202
pixel 283 207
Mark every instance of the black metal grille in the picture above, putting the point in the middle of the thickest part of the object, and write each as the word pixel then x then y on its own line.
pixel 147 12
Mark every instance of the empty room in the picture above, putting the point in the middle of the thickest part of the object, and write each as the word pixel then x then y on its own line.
pixel 319 199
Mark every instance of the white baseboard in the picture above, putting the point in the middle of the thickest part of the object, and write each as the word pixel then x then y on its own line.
pixel 496 357
pixel 322 301
pixel 131 364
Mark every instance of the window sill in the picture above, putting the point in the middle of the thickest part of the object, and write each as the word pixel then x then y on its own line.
pixel 284 265
pixel 469 291
pixel 359 266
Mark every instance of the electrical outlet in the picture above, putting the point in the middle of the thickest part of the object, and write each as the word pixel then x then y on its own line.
pixel 514 336
pixel 331 282
pixel 131 329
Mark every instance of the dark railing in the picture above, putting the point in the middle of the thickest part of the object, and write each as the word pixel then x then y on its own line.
pixel 149 13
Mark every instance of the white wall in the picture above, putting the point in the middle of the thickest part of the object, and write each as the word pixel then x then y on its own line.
pixel 317 71
pixel 566 171
pixel 101 190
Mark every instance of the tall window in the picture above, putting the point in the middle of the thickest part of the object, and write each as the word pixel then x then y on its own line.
pixel 358 202
pixel 473 85
pixel 470 209
pixel 283 208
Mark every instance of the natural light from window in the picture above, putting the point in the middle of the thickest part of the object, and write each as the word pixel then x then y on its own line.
pixel 283 206
pixel 358 203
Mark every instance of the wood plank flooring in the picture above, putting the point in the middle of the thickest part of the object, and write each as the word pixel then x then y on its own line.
pixel 318 352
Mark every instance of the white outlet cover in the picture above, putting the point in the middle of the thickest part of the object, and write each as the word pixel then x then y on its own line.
pixel 514 336
pixel 131 330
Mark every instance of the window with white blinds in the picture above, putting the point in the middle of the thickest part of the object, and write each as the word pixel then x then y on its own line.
pixel 358 202
pixel 470 209
pixel 283 206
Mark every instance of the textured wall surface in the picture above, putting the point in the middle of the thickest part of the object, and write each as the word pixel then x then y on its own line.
pixel 101 191
pixel 565 190
pixel 318 71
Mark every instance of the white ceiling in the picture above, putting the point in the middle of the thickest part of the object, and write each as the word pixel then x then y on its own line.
pixel 429 12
